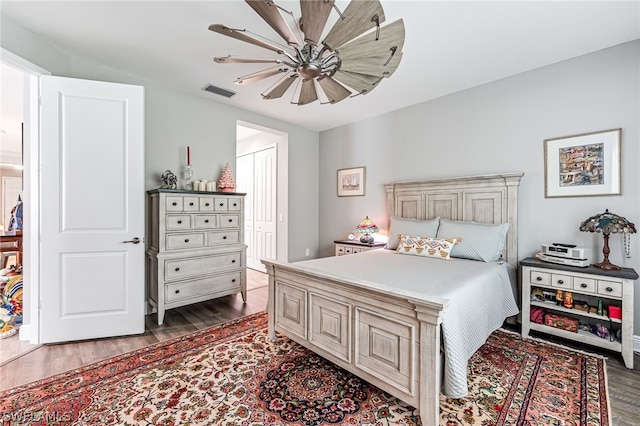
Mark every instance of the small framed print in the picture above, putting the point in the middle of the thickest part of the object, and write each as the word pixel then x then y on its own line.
pixel 583 165
pixel 351 182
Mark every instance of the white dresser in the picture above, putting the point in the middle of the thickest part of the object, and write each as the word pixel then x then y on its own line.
pixel 195 247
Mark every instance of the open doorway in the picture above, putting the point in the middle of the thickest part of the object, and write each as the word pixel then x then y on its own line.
pixel 261 159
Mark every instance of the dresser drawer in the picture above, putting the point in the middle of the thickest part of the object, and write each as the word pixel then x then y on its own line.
pixel 174 204
pixel 185 241
pixel 562 281
pixel 226 237
pixel 190 267
pixel 584 285
pixel 206 204
pixel 229 221
pixel 191 204
pixel 610 288
pixel 541 278
pixel 204 221
pixel 176 222
pixel 221 204
pixel 186 290
pixel 233 204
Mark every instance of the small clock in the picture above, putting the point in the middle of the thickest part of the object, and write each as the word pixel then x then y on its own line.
pixel 351 237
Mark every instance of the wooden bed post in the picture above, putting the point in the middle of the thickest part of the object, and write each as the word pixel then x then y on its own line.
pixel 271 302
pixel 430 369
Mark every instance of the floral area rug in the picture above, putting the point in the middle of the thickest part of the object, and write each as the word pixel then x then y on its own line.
pixel 233 375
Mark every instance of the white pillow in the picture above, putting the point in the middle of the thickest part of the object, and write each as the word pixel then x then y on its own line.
pixel 479 241
pixel 427 246
pixel 399 225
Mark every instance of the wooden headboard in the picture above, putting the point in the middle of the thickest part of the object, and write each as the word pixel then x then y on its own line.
pixel 483 199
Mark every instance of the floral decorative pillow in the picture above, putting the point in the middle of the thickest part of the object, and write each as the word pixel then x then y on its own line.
pixel 439 248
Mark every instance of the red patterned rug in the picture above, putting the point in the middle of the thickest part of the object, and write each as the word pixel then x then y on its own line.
pixel 233 375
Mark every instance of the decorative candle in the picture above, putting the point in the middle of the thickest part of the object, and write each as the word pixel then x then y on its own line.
pixel 188 155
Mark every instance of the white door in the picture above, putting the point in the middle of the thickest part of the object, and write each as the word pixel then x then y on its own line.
pixel 244 167
pixel 91 209
pixel 264 211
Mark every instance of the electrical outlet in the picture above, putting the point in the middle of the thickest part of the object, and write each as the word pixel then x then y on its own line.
pixel 306 252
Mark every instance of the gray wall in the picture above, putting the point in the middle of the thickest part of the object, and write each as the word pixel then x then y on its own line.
pixel 174 120
pixel 499 127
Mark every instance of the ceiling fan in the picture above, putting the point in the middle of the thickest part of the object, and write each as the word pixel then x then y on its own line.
pixel 350 60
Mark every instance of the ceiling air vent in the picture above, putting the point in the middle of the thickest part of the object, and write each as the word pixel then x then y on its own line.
pixel 218 90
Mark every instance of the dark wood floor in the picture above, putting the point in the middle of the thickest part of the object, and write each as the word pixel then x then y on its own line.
pixel 27 363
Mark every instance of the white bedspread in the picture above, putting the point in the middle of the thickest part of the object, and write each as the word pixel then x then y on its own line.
pixel 480 297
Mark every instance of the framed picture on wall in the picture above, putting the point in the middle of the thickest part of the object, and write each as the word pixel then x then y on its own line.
pixel 351 182
pixel 583 165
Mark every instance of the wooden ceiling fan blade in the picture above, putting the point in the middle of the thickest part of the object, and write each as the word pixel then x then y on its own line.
pixel 359 17
pixel 241 35
pixel 308 92
pixel 314 17
pixel 361 83
pixel 391 36
pixel 268 11
pixel 379 66
pixel 280 88
pixel 260 75
pixel 334 91
pixel 230 60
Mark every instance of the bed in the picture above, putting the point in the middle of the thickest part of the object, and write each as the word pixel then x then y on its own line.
pixel 408 322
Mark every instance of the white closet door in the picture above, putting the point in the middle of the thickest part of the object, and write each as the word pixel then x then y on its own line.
pixel 244 182
pixel 265 205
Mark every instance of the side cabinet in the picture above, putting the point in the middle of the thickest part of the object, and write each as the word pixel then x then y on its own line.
pixel 589 287
pixel 195 248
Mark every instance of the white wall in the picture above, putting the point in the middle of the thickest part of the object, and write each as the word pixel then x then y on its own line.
pixel 499 127
pixel 174 120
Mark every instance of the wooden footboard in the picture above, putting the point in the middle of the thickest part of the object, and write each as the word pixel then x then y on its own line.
pixel 384 338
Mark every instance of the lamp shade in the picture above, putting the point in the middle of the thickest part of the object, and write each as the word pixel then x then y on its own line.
pixel 607 223
pixel 366 227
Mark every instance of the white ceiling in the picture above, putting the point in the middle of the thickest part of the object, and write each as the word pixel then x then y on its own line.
pixel 450 45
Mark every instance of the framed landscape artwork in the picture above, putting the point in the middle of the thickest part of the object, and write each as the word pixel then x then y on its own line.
pixel 351 182
pixel 583 165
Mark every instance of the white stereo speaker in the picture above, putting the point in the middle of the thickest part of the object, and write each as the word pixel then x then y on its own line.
pixel 564 250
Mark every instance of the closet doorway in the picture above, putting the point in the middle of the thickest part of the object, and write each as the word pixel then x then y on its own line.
pixel 257 174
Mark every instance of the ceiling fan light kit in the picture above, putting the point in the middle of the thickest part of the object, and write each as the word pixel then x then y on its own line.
pixel 352 59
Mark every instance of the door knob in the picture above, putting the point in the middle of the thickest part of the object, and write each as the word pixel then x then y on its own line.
pixel 135 240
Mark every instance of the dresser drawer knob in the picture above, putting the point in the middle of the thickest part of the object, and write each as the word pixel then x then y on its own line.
pixel 583 285
pixel 206 221
pixel 538 278
pixel 235 204
pixel 224 237
pixel 206 204
pixel 186 240
pixel 609 289
pixel 190 204
pixel 177 269
pixel 177 291
pixel 221 204
pixel 233 280
pixel 560 282
pixel 174 203
pixel 230 220
pixel 233 261
pixel 179 222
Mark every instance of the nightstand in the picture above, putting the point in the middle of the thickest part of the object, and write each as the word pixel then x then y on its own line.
pixel 592 286
pixel 354 246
